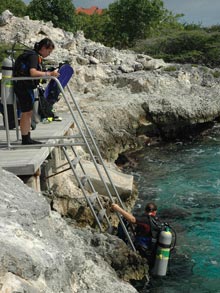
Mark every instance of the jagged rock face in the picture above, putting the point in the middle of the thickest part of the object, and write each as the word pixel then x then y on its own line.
pixel 121 94
pixel 117 90
pixel 41 253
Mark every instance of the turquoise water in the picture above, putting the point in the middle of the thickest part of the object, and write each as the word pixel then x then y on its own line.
pixel 184 180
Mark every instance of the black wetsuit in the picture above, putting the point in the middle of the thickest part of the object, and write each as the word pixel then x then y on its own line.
pixel 146 234
pixel 24 88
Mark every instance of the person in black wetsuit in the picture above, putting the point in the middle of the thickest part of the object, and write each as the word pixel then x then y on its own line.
pixel 147 229
pixel 28 64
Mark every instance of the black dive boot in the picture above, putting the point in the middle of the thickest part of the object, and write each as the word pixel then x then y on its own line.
pixel 26 139
pixel 33 141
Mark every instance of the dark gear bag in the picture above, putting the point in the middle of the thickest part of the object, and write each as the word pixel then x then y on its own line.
pixel 45 110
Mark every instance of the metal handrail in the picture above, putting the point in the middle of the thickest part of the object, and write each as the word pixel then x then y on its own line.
pixel 3 90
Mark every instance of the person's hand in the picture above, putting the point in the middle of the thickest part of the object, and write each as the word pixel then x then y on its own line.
pixel 114 207
pixel 54 73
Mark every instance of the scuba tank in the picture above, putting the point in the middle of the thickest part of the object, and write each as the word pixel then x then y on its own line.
pixel 162 253
pixel 35 115
pixel 7 72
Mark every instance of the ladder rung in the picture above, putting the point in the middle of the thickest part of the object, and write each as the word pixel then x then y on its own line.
pixel 84 179
pixel 110 229
pixel 101 214
pixel 75 161
pixel 93 197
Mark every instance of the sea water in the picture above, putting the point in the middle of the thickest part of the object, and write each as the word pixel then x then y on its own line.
pixel 183 178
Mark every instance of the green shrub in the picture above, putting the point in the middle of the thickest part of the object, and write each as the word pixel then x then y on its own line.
pixel 5 48
pixel 216 74
pixel 170 68
pixel 17 7
pixel 195 46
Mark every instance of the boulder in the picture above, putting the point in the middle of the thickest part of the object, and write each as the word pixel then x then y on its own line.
pixel 122 182
pixel 40 252
pixel 5 17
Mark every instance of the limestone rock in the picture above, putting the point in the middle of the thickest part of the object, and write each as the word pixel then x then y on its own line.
pixel 117 87
pixel 82 61
pixel 93 60
pixel 41 253
pixel 130 84
pixel 115 90
pixel 13 283
pixel 5 17
pixel 123 182
pixel 125 68
pixel 153 64
pixel 104 54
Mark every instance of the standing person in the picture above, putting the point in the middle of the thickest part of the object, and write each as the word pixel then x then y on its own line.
pixel 29 64
pixel 147 229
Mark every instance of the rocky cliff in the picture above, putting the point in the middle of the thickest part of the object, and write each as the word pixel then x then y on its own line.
pixel 123 94
pixel 41 253
pixel 126 98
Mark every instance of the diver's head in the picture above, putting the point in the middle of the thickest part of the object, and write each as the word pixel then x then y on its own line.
pixel 151 209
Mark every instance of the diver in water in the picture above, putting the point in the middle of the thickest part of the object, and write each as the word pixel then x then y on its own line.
pixel 147 229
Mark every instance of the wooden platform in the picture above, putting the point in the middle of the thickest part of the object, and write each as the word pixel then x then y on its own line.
pixel 28 161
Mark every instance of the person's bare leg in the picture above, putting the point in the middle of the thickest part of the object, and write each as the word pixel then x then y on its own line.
pixel 25 122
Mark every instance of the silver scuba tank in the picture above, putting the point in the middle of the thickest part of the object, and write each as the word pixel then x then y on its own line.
pixel 35 116
pixel 7 72
pixel 162 253
pixel 7 90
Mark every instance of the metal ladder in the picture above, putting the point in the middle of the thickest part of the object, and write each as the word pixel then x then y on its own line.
pixel 86 139
pixel 93 199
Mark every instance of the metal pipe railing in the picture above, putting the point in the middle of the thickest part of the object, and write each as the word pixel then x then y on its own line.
pixel 4 101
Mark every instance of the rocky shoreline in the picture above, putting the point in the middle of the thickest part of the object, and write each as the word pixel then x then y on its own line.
pixel 127 100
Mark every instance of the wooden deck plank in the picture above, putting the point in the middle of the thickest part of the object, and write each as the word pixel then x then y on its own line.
pixel 28 161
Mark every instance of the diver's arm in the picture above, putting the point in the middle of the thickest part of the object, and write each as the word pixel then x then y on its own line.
pixel 37 73
pixel 125 214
